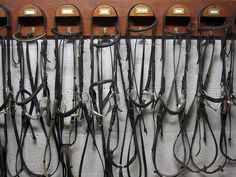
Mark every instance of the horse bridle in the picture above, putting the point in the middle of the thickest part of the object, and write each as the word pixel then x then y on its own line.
pixel 79 109
pixel 202 99
pixel 7 106
pixel 227 104
pixel 42 107
pixel 97 45
pixel 180 101
pixel 18 36
pixel 137 104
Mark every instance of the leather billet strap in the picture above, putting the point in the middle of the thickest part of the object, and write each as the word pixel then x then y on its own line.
pixel 30 37
pixel 3 168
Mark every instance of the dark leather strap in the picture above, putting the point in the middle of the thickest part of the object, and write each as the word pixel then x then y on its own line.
pixel 201 99
pixel 32 99
pixel 144 94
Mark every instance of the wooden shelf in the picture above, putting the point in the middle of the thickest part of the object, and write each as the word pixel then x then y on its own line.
pixel 122 7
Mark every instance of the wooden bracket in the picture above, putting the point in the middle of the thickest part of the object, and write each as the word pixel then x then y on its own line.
pixel 212 20
pixel 31 20
pixel 178 19
pixel 67 19
pixel 104 20
pixel 122 9
pixel 140 17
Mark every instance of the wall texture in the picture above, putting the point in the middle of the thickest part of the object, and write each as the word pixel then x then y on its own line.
pixel 34 149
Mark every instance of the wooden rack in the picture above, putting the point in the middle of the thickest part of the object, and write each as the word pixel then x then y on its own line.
pixel 122 8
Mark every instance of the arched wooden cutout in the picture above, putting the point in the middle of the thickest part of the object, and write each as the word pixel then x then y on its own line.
pixel 141 16
pixel 104 20
pixel 32 20
pixel 212 19
pixel 177 19
pixel 30 11
pixel 67 18
pixel 67 10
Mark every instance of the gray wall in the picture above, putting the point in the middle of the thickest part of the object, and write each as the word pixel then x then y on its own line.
pixel 34 150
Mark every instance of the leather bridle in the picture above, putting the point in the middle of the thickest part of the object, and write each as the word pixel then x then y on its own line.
pixel 164 107
pixel 230 101
pixel 79 109
pixel 7 106
pixel 99 101
pixel 29 99
pixel 135 94
pixel 202 99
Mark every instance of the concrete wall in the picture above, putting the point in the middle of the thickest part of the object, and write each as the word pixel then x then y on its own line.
pixel 33 150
